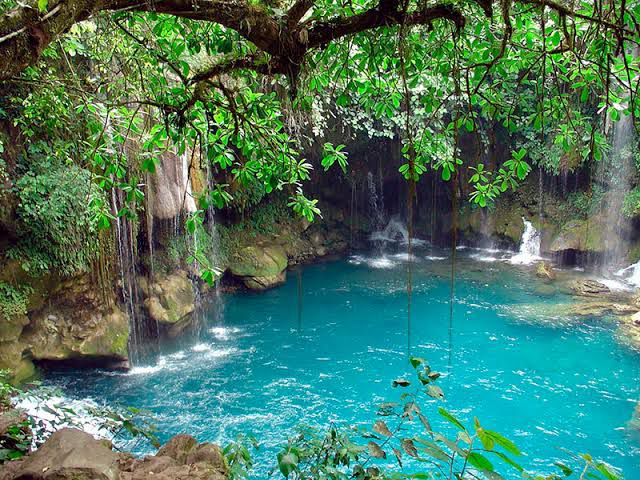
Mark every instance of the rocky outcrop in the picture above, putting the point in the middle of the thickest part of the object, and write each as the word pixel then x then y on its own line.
pixel 77 321
pixel 169 298
pixel 260 267
pixel 71 454
pixel 579 235
pixel 171 193
pixel 67 319
pixel 67 455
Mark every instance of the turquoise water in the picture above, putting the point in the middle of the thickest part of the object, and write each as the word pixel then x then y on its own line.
pixel 265 362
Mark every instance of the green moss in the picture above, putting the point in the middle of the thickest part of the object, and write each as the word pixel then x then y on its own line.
pixel 254 261
pixel 14 300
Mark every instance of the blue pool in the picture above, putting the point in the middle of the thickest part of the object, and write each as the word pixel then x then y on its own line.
pixel 267 362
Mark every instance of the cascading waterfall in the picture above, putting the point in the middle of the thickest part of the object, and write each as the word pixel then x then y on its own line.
pixel 394 231
pixel 614 173
pixel 127 263
pixel 529 245
pixel 126 237
pixel 486 229
pixel 375 203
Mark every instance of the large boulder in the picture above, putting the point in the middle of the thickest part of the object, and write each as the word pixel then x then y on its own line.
pixel 69 454
pixel 14 359
pixel 169 299
pixel 56 334
pixel 259 267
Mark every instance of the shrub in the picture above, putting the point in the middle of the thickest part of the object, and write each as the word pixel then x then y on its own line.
pixel 13 300
pixel 56 223
pixel 631 204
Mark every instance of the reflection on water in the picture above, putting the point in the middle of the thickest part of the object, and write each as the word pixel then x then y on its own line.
pixel 265 364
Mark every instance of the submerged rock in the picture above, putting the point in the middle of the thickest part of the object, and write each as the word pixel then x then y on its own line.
pixel 71 454
pixel 260 267
pixel 589 288
pixel 601 308
pixel 545 271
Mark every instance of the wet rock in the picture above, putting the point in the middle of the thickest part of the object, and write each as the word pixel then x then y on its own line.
pixel 260 267
pixel 589 288
pixel 170 298
pixel 11 328
pixel 629 331
pixel 171 187
pixel 265 283
pixel 545 271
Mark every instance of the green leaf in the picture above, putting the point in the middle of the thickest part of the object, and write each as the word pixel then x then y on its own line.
pixel 449 417
pixel 480 461
pixel 43 5
pixel 504 442
pixel 287 463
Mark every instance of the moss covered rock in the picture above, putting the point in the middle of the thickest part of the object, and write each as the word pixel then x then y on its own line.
pixel 169 298
pixel 579 235
pixel 77 321
pixel 14 360
pixel 260 267
pixel 98 334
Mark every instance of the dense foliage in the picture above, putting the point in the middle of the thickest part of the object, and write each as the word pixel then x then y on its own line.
pixel 124 85
pixel 94 92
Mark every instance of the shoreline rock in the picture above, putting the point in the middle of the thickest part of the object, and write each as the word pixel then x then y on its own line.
pixel 71 454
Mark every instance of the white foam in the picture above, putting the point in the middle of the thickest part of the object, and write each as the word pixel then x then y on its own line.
pixel 434 258
pixel 615 284
pixel 529 246
pixel 631 274
pixel 52 413
pixel 484 258
pixel 224 333
pixel 224 352
pixel 396 231
pixel 201 347
pixel 404 257
pixel 146 370
pixel 382 262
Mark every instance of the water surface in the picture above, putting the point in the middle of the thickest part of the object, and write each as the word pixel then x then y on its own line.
pixel 265 363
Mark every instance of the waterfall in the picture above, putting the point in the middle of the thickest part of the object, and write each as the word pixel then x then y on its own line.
pixel 375 203
pixel 395 232
pixel 615 172
pixel 486 229
pixel 529 245
pixel 127 263
pixel 630 274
